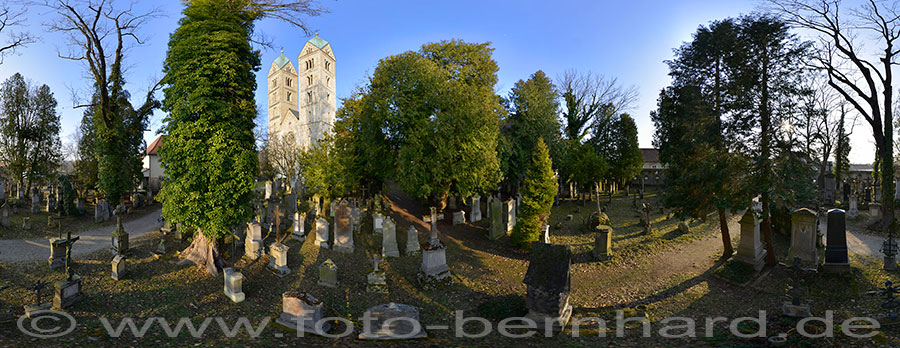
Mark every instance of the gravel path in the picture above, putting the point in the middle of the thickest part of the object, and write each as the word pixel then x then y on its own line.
pixel 14 250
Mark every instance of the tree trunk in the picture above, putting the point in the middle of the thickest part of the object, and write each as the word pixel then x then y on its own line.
pixel 765 136
pixel 203 253
pixel 726 235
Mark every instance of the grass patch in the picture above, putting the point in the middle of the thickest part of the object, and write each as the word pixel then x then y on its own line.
pixel 502 307
pixel 736 271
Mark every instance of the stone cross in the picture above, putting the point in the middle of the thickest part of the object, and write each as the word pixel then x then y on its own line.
pixel 375 262
pixel 68 244
pixel 795 293
pixel 278 214
pixel 37 287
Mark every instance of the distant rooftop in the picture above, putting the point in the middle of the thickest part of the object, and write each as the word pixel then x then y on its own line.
pixel 650 155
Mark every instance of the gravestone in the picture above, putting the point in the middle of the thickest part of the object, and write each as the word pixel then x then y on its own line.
pixel 548 283
pixel 836 258
pixel 750 249
pixel 35 202
pixel 545 234
pixel 118 267
pixel 498 228
pixel 451 203
pixel 233 284
pixel 853 212
pixel 603 242
pixel 79 205
pixel 392 321
pixel 459 218
pixel 828 190
pixel 302 312
pixel 270 190
pixel 278 259
pixel 377 221
pixel 101 211
pixel 412 241
pixel 68 291
pixel 376 281
pixel 2 190
pixel 299 226
pixel 328 274
pixel 343 229
pixel 897 190
pixel 120 236
pixel 434 256
pixel 253 241
pixel 322 233
pixel 355 217
pixel 57 258
pixel 38 306
pixel 874 210
pixel 878 193
pixel 51 202
pixel 389 246
pixel 868 194
pixel 475 206
pixel 803 236
pixel 509 215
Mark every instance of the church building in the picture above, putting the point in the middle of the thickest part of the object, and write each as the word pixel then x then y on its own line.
pixel 302 101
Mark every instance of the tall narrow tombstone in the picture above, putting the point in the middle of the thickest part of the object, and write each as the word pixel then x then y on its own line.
pixel 603 242
pixel 355 219
pixel 270 188
pixel 475 206
pixel 836 258
pixel 548 283
pixel 750 250
pixel 234 284
pixel 509 215
pixel 322 236
pixel 253 241
pixel 853 212
pixel 412 241
pixel 302 312
pixel 278 260
pixel 328 274
pixel 498 228
pixel 343 229
pixel 389 239
pixel 803 236
pixel 299 226
pixel 392 321
pixel 545 234
pixel 35 202
pixel 377 221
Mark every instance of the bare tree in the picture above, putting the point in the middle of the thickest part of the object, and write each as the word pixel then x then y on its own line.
pixel 864 78
pixel 10 18
pixel 592 99
pixel 284 155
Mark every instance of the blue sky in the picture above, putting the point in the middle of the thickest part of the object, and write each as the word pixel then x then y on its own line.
pixel 625 39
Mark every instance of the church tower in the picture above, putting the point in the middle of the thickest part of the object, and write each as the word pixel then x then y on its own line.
pixel 317 85
pixel 284 119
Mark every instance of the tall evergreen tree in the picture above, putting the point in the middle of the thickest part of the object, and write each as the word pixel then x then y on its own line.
pixel 210 152
pixel 538 190
pixel 619 144
pixel 533 108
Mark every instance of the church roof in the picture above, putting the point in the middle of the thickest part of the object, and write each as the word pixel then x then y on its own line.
pixel 282 60
pixel 318 41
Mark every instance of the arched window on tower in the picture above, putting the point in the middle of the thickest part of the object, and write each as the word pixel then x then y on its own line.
pixel 328 65
pixel 309 97
pixel 309 80
pixel 312 63
pixel 287 80
pixel 274 83
pixel 288 96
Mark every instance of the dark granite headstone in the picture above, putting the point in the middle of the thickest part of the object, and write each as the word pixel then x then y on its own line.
pixel 836 259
